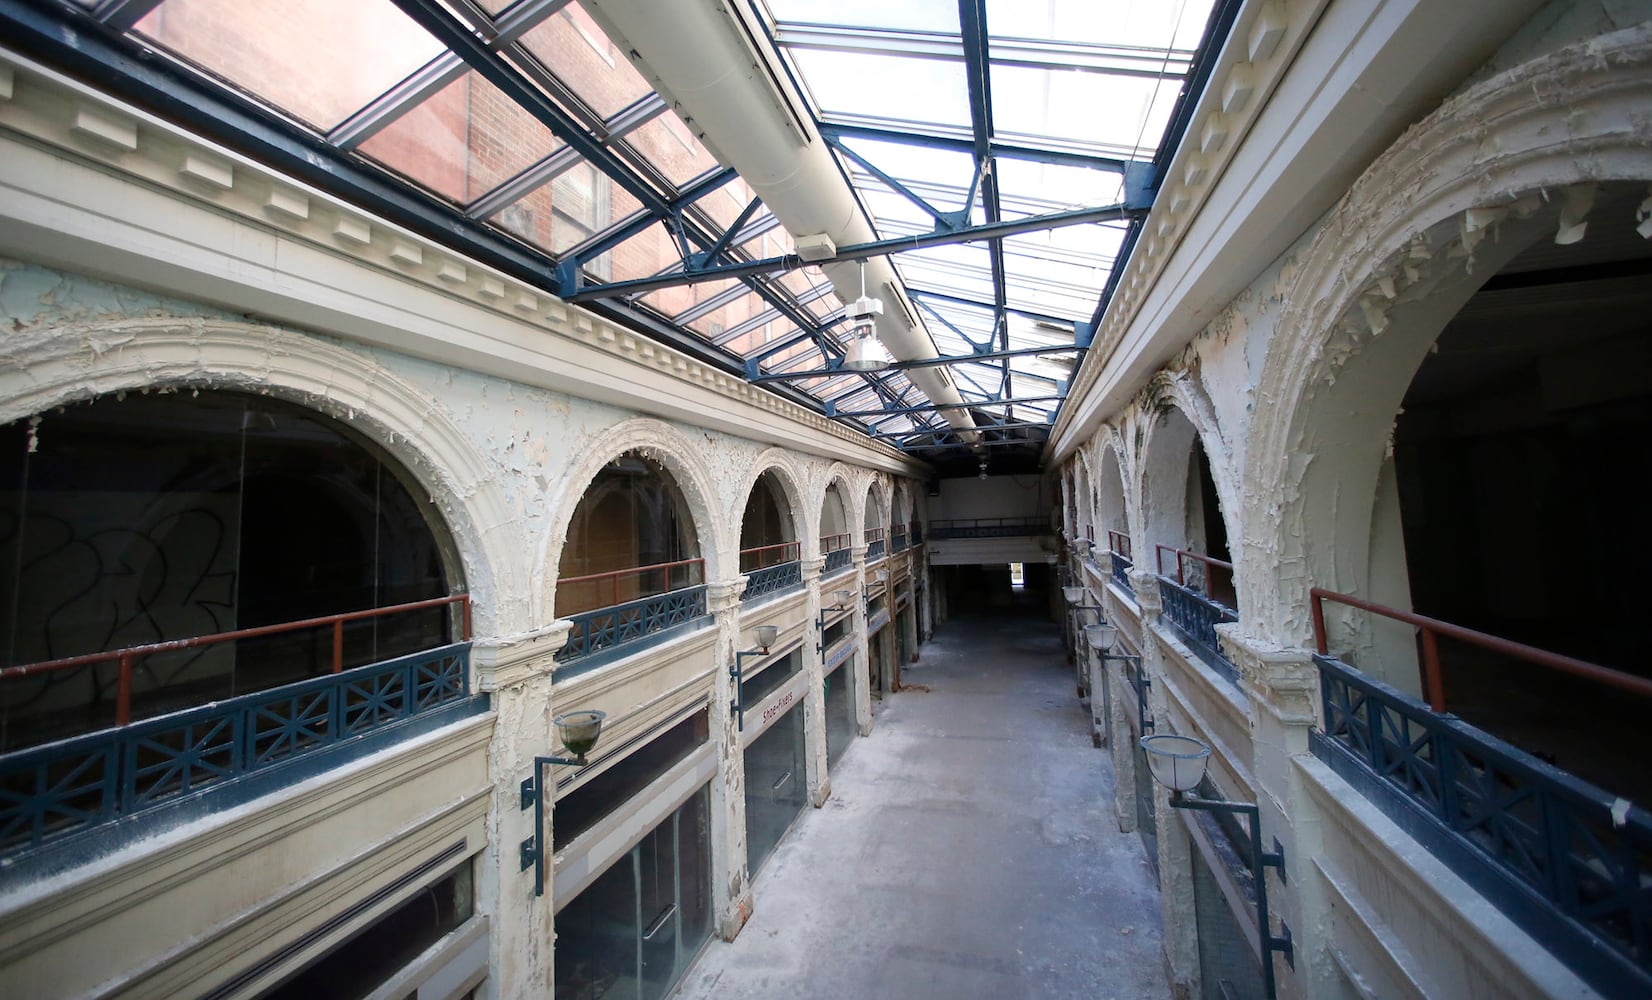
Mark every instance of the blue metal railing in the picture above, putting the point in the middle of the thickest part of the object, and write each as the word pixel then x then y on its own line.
pixel 990 527
pixel 898 542
pixel 874 548
pixel 837 559
pixel 917 534
pixel 53 792
pixel 1565 860
pixel 1121 573
pixel 613 626
pixel 770 579
pixel 1195 617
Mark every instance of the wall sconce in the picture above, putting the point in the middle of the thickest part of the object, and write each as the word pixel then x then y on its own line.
pixel 843 597
pixel 1178 763
pixel 1076 594
pixel 1102 637
pixel 579 732
pixel 766 634
pixel 881 578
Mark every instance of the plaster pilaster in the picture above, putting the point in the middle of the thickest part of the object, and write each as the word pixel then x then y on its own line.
pixel 517 672
pixel 1283 688
pixel 1123 748
pixel 814 697
pixel 730 880
pixel 862 661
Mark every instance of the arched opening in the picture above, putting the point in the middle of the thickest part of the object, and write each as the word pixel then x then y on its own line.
pixel 631 565
pixel 873 528
pixel 1114 518
pixel 1514 499
pixel 1184 523
pixel 835 540
pixel 769 548
pixel 148 518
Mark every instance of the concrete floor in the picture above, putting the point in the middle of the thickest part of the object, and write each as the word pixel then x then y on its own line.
pixel 968 849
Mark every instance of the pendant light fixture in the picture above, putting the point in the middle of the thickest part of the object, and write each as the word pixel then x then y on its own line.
pixel 865 353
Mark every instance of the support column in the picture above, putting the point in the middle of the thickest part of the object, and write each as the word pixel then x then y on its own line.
pixel 516 671
pixel 730 881
pixel 1181 928
pixel 1123 746
pixel 1283 688
pixel 861 659
pixel 814 698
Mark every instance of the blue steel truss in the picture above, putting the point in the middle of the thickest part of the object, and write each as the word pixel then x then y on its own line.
pixel 613 626
pixel 58 791
pixel 1195 617
pixel 1565 860
pixel 770 579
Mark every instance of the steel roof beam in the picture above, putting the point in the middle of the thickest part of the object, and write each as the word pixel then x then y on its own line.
pixel 859 251
pixel 1031 53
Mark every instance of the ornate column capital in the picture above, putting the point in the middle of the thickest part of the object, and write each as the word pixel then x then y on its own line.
pixel 505 661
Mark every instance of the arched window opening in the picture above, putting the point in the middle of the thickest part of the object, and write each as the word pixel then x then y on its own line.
pixel 835 540
pixel 1515 497
pixel 873 530
pixel 1110 509
pixel 1184 521
pixel 899 535
pixel 148 518
pixel 769 551
pixel 631 564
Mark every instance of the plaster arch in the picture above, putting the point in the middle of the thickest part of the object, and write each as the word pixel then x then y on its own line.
pixel 790 478
pixel 83 361
pixel 675 452
pixel 1115 511
pixel 1181 419
pixel 836 475
pixel 1444 208
pixel 875 511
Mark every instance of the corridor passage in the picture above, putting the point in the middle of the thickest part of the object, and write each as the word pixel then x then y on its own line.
pixel 968 849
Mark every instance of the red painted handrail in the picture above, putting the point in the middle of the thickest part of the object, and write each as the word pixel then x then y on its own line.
pixel 1433 683
pixel 1210 563
pixel 123 690
pixel 615 576
pixel 1118 541
pixel 787 551
pixel 874 535
pixel 831 543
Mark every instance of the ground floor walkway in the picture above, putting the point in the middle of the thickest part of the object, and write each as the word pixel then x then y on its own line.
pixel 968 849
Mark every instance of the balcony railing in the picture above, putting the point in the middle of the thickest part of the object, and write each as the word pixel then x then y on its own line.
pixel 1119 543
pixel 129 660
pixel 874 543
pixel 1121 573
pixel 1565 860
pixel 916 531
pixel 989 527
pixel 188 763
pixel 770 568
pixel 897 540
pixel 1197 571
pixel 1195 617
pixel 675 594
pixel 835 549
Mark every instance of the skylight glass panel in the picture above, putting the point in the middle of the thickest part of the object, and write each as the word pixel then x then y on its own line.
pixel 667 144
pixel 854 83
pixel 463 141
pixel 1118 22
pixel 316 60
pixel 1109 115
pixel 570 44
pixel 905 15
pixel 1029 188
pixel 678 300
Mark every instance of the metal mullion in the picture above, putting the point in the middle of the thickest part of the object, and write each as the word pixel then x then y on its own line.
pixel 738 290
pixel 434 18
pixel 123 15
pixel 418 86
pixel 529 180
pixel 1084 57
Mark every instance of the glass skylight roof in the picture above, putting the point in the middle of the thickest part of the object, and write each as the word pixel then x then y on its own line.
pixel 526 123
